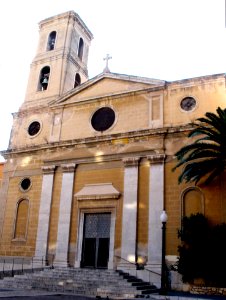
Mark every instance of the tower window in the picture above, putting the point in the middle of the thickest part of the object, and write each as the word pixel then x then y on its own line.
pixel 44 78
pixel 51 41
pixel 77 80
pixel 80 48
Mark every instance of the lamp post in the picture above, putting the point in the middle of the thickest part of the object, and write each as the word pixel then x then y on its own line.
pixel 163 289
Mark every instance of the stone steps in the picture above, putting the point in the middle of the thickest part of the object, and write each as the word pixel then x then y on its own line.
pixel 103 283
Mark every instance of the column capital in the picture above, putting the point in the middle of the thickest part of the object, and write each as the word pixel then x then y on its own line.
pixel 48 169
pixel 131 161
pixel 156 158
pixel 68 168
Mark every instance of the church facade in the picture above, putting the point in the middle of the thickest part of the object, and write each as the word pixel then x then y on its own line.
pixel 88 169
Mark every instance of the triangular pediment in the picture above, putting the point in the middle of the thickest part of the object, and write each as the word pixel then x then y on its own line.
pixel 106 85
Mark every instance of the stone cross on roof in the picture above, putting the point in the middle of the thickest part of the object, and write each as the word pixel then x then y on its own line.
pixel 106 69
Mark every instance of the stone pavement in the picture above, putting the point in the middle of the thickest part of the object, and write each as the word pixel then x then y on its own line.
pixel 37 294
pixel 43 295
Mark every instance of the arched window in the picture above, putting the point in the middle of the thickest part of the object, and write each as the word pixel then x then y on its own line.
pixel 51 41
pixel 77 80
pixel 80 48
pixel 44 79
pixel 21 222
pixel 192 202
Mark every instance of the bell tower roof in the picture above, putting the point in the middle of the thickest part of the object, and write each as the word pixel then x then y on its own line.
pixel 61 60
pixel 71 14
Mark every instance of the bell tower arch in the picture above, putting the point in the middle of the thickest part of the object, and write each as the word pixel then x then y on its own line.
pixel 62 56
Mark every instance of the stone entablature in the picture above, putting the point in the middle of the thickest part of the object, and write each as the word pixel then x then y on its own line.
pixel 131 137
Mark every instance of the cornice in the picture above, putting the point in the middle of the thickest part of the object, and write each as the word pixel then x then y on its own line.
pixel 131 161
pixel 112 96
pixel 98 197
pixel 68 168
pixel 203 80
pixel 156 158
pixel 132 135
pixel 31 110
pixel 71 15
pixel 48 169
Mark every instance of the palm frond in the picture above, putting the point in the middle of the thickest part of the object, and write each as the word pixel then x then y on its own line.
pixel 195 171
pixel 204 158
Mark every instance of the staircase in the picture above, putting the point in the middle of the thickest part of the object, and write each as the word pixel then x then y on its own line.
pixel 96 283
pixel 144 287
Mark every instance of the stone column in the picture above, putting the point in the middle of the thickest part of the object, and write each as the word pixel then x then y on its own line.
pixel 44 215
pixel 156 206
pixel 61 258
pixel 129 215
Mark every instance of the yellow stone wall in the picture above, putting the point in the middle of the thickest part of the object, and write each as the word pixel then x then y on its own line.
pixel 9 245
pixel 67 136
pixel 209 93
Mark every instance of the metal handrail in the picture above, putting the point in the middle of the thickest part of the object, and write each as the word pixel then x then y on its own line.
pixel 136 265
pixel 18 265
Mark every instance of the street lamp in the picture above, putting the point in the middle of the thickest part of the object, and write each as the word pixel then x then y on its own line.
pixel 163 289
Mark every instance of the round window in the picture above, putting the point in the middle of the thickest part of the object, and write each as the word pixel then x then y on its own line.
pixel 34 128
pixel 103 119
pixel 188 103
pixel 25 184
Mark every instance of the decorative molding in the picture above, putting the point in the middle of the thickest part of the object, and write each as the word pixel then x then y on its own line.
pixel 131 161
pixel 156 158
pixel 68 168
pixel 84 142
pixel 48 169
pixel 97 197
pixel 98 191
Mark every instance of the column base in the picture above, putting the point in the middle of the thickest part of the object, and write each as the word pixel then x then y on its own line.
pixel 77 264
pixel 60 264
pixel 38 263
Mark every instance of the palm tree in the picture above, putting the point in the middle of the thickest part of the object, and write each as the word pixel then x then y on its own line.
pixel 205 158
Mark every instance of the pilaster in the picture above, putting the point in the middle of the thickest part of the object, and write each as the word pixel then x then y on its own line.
pixel 61 258
pixel 129 218
pixel 44 214
pixel 156 206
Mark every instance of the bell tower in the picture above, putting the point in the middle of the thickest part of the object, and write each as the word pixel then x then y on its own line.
pixel 61 59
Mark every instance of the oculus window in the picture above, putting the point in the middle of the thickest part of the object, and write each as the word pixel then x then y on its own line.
pixel 25 184
pixel 103 119
pixel 188 103
pixel 34 128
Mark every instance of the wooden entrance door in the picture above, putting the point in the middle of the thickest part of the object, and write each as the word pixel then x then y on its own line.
pixel 96 238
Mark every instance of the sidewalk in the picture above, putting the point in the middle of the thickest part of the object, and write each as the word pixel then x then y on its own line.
pixel 173 295
pixel 40 294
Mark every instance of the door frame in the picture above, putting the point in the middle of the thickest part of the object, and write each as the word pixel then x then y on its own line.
pixel 81 218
